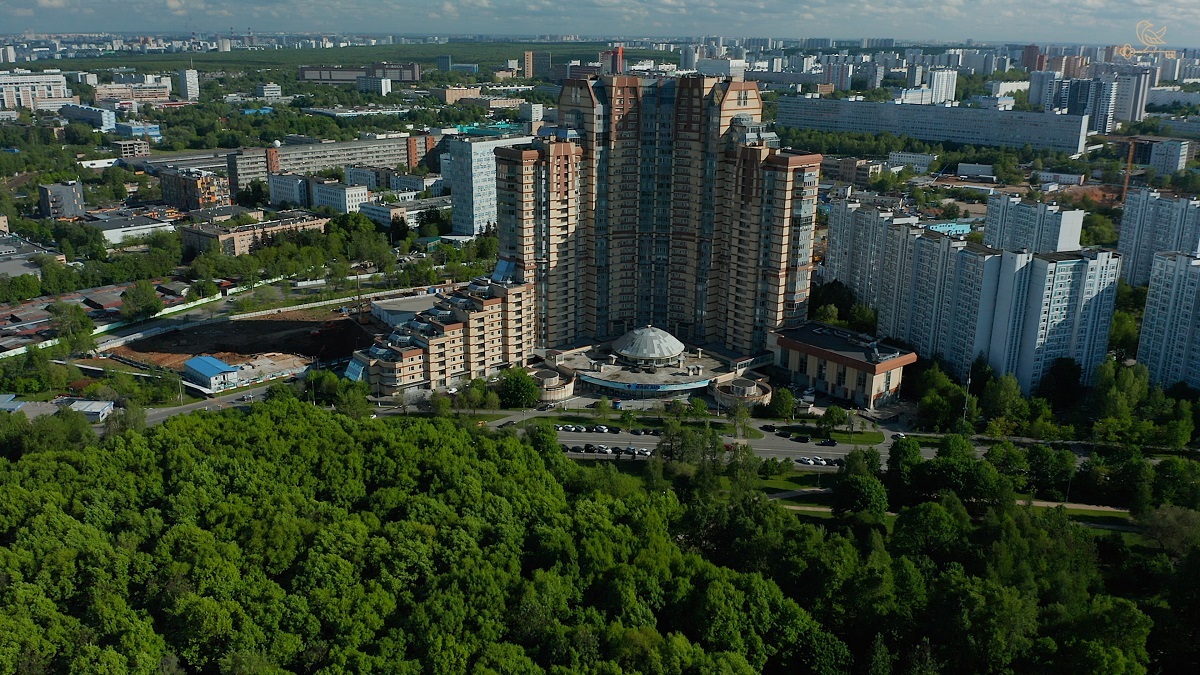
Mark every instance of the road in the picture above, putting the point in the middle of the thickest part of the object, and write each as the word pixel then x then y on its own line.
pixel 159 415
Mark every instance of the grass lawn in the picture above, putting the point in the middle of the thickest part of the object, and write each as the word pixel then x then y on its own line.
pixel 858 438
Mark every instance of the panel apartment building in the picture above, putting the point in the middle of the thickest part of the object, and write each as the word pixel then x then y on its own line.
pixel 974 126
pixel 35 91
pixel 243 239
pixel 1013 224
pixel 250 164
pixel 1151 224
pixel 469 167
pixel 1170 341
pixel 689 217
pixel 959 300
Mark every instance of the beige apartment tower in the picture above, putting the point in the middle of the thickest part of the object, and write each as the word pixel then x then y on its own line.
pixel 664 203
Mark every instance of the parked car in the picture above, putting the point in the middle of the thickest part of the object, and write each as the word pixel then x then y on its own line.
pixel 896 437
pixel 614 430
pixel 828 443
pixel 507 424
pixel 577 448
pixel 545 407
pixel 802 439
pixel 768 428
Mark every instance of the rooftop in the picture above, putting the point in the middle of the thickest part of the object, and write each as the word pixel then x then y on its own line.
pixel 208 366
pixel 648 343
pixel 844 344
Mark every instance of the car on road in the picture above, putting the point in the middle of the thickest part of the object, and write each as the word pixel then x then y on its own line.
pixel 545 407
pixel 589 447
pixel 246 397
pixel 896 437
pixel 783 434
pixel 577 448
pixel 636 432
pixel 801 439
pixel 828 443
pixel 807 461
pixel 632 451
pixel 613 430
pixel 768 428
pixel 507 424
pixel 643 452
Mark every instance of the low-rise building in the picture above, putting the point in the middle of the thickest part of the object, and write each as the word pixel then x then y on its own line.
pixel 450 95
pixel 94 411
pixel 61 200
pixel 136 147
pixel 385 214
pixel 210 372
pixel 243 239
pixel 472 332
pixel 151 132
pixel 841 363
pixel 117 230
pixel 190 189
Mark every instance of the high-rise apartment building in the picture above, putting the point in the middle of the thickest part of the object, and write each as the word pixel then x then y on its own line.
pixel 1170 341
pixel 1152 224
pixel 680 190
pixel 1014 224
pixel 942 84
pixel 959 300
pixel 1133 92
pixel 856 243
pixel 1169 156
pixel 189 84
pixel 469 168
pixel 192 189
pixel 1043 87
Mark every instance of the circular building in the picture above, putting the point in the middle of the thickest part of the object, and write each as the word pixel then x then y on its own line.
pixel 648 346
pixel 741 390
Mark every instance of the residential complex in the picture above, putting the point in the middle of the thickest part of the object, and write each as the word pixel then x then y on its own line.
pixel 1014 224
pixel 1152 223
pixel 192 189
pixel 469 167
pixel 472 332
pixel 1170 156
pixel 35 91
pixel 1170 341
pixel 250 164
pixel 189 84
pixel 664 203
pixel 243 239
pixel 974 126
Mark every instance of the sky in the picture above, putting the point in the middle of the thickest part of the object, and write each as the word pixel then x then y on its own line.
pixel 1044 21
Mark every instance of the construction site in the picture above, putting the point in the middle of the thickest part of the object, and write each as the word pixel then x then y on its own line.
pixel 317 334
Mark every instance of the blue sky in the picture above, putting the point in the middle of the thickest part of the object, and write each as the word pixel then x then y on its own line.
pixel 1086 21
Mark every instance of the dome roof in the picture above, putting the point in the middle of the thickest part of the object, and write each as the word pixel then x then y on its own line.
pixel 648 343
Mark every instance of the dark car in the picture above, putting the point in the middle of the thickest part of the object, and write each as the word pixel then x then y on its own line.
pixel 828 443
pixel 545 407
pixel 801 439
pixel 769 428
pixel 508 424
pixel 636 432
pixel 577 448
pixel 783 434
pixel 614 430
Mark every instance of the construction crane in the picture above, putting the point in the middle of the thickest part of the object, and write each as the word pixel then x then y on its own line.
pixel 1128 171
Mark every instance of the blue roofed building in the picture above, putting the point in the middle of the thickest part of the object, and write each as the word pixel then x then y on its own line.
pixel 211 373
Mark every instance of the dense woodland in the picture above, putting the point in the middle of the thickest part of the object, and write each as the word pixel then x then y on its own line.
pixel 291 539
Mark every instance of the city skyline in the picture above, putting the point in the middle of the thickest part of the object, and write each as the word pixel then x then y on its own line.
pixel 1086 21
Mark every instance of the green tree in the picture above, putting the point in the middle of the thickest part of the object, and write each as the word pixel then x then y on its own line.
pixel 783 403
pixel 602 409
pixel 517 389
pixel 833 417
pixel 140 301
pixel 73 327
pixel 860 494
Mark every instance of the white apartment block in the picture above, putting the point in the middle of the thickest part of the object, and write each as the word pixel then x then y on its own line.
pixel 189 84
pixel 268 90
pixel 1020 311
pixel 1013 224
pixel 35 91
pixel 975 126
pixel 1152 224
pixel 942 83
pixel 1051 306
pixel 339 196
pixel 288 187
pixel 470 172
pixel 919 161
pixel 1170 340
pixel 1169 156
pixel 857 246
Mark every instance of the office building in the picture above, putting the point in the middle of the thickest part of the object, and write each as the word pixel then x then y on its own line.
pixel 451 95
pixel 268 90
pixel 1170 340
pixel 35 91
pixel 295 190
pixel 189 84
pixel 250 164
pixel 1014 224
pixel 288 190
pixel 444 63
pixel 101 119
pixel 974 126
pixel 469 167
pixel 61 200
pixel 192 189
pixel 138 93
pixel 468 333
pixel 145 130
pixel 690 220
pixel 243 239
pixel 1152 224
pixel 339 196
pixel 1169 156
pixel 385 214
pixel 397 72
